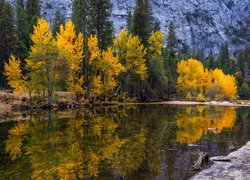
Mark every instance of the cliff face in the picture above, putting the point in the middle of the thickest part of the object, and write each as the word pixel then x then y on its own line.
pixel 203 24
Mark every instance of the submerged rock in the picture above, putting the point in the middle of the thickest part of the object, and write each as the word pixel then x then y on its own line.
pixel 238 168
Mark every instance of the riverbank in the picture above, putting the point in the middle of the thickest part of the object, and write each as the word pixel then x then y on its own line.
pixel 238 168
pixel 65 100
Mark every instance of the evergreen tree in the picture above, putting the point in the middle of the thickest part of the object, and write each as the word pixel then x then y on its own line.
pixel 23 31
pixel 33 9
pixel 210 61
pixel 130 22
pixel 59 20
pixel 225 63
pixel 171 42
pixel 80 18
pixel 171 58
pixel 99 22
pixel 143 21
pixel 7 36
pixel 33 12
pixel 157 25
pixel 79 15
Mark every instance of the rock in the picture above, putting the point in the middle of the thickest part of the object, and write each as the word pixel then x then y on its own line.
pixel 238 168
pixel 203 24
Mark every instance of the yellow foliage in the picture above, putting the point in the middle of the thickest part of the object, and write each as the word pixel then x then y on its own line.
pixel 94 50
pixel 131 53
pixel 194 123
pixel 15 139
pixel 106 68
pixel 93 164
pixel 192 77
pixel 96 86
pixel 226 84
pixel 43 61
pixel 196 82
pixel 14 74
pixel 71 46
pixel 156 43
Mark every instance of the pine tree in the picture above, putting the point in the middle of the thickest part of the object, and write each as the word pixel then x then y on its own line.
pixel 80 18
pixel 157 25
pixel 225 63
pixel 210 61
pixel 33 11
pixel 23 27
pixel 143 21
pixel 59 20
pixel 80 15
pixel 171 58
pixel 7 36
pixel 157 81
pixel 130 22
pixel 99 22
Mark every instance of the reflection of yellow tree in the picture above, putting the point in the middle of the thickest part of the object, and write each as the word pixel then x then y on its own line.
pixel 132 154
pixel 15 140
pixel 56 153
pixel 105 143
pixel 225 120
pixel 194 122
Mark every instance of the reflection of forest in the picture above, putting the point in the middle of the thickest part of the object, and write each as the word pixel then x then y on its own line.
pixel 194 122
pixel 110 142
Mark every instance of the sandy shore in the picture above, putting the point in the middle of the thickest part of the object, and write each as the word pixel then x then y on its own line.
pixel 238 168
pixel 210 103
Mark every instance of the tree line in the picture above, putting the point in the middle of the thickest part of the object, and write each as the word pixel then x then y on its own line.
pixel 84 56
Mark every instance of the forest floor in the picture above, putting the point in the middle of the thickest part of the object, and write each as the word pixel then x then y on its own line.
pixel 237 168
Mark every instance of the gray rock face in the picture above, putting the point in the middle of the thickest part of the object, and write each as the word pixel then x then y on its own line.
pixel 238 168
pixel 201 24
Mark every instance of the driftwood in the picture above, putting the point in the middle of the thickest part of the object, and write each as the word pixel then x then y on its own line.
pixel 221 158
pixel 203 159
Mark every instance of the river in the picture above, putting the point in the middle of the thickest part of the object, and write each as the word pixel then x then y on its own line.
pixel 133 142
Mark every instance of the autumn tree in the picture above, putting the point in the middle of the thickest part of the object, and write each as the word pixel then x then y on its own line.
pixel 43 61
pixel 105 69
pixel 13 72
pixel 157 81
pixel 131 53
pixel 224 85
pixel 193 80
pixel 70 44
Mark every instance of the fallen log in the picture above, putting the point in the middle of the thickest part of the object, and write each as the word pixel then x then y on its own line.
pixel 221 158
pixel 202 160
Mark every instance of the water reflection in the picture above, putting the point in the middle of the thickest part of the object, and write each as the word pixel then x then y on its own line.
pixel 194 122
pixel 141 142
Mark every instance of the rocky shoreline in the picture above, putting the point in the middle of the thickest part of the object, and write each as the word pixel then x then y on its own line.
pixel 237 168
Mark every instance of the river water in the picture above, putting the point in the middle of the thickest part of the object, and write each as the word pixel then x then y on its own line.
pixel 135 142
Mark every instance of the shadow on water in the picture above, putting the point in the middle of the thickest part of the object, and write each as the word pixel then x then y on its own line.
pixel 143 142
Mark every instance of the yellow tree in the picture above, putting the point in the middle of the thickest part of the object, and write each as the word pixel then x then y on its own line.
pixel 15 78
pixel 193 80
pixel 156 43
pixel 70 46
pixel 157 80
pixel 224 85
pixel 131 53
pixel 105 68
pixel 43 61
